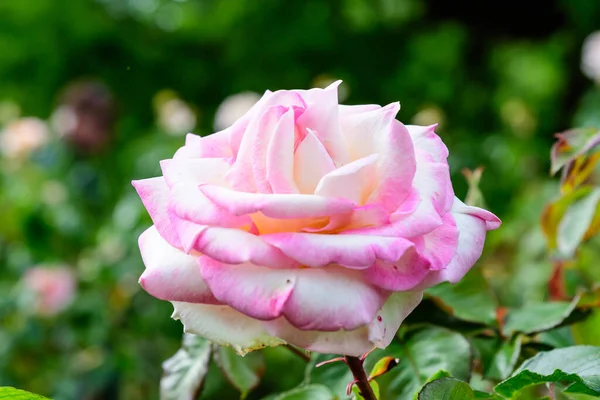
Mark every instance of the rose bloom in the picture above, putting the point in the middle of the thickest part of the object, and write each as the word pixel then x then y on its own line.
pixel 52 288
pixel 306 222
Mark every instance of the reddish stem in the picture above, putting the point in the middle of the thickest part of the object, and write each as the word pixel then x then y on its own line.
pixel 362 382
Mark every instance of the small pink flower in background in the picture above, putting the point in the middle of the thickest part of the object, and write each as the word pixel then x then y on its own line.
pixel 590 56
pixel 233 107
pixel 22 136
pixel 51 289
pixel 306 222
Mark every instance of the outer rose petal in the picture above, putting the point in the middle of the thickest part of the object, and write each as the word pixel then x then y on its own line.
pixel 170 273
pixel 354 251
pixel 154 193
pixel 425 138
pixel 188 203
pixel 195 171
pixel 378 333
pixel 225 326
pixel 311 299
pixel 384 326
pixel 472 229
pixel 405 274
pixel 396 169
pixel 231 246
pixel 439 245
pixel 427 142
pixel 276 205
pixel 213 146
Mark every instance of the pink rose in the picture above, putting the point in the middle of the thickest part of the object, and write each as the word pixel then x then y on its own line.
pixel 52 289
pixel 306 222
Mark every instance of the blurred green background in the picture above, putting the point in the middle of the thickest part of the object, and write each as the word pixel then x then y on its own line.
pixel 93 93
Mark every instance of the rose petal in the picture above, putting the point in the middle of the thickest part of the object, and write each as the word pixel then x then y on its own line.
pixel 276 205
pixel 254 291
pixel 280 155
pixel 321 116
pixel 189 203
pixel 225 326
pixel 352 343
pixel 154 193
pixel 425 138
pixel 231 246
pixel 170 273
pixel 384 326
pixel 396 168
pixel 311 299
pixel 195 171
pixel 354 181
pixel 472 230
pixel 491 221
pixel 266 129
pixel 439 245
pixel 405 274
pixel 311 162
pixel 212 146
pixel 378 333
pixel 354 251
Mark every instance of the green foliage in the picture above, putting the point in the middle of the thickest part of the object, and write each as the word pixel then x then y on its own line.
pixel 446 389
pixel 471 299
pixel 505 359
pixel 577 366
pixel 421 355
pixel 244 373
pixel 308 392
pixel 10 393
pixel 538 317
pixel 185 372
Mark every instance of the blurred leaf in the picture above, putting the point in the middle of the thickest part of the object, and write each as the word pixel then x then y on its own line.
pixel 577 172
pixel 243 372
pixel 309 392
pixel 423 354
pixel 576 222
pixel 505 359
pixel 374 387
pixel 471 299
pixel 446 389
pixel 184 373
pixel 474 195
pixel 577 366
pixel 383 366
pixel 571 144
pixel 10 393
pixel 554 212
pixel 588 331
pixel 538 317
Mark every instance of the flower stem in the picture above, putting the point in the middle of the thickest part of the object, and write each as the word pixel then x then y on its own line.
pixel 298 352
pixel 360 377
